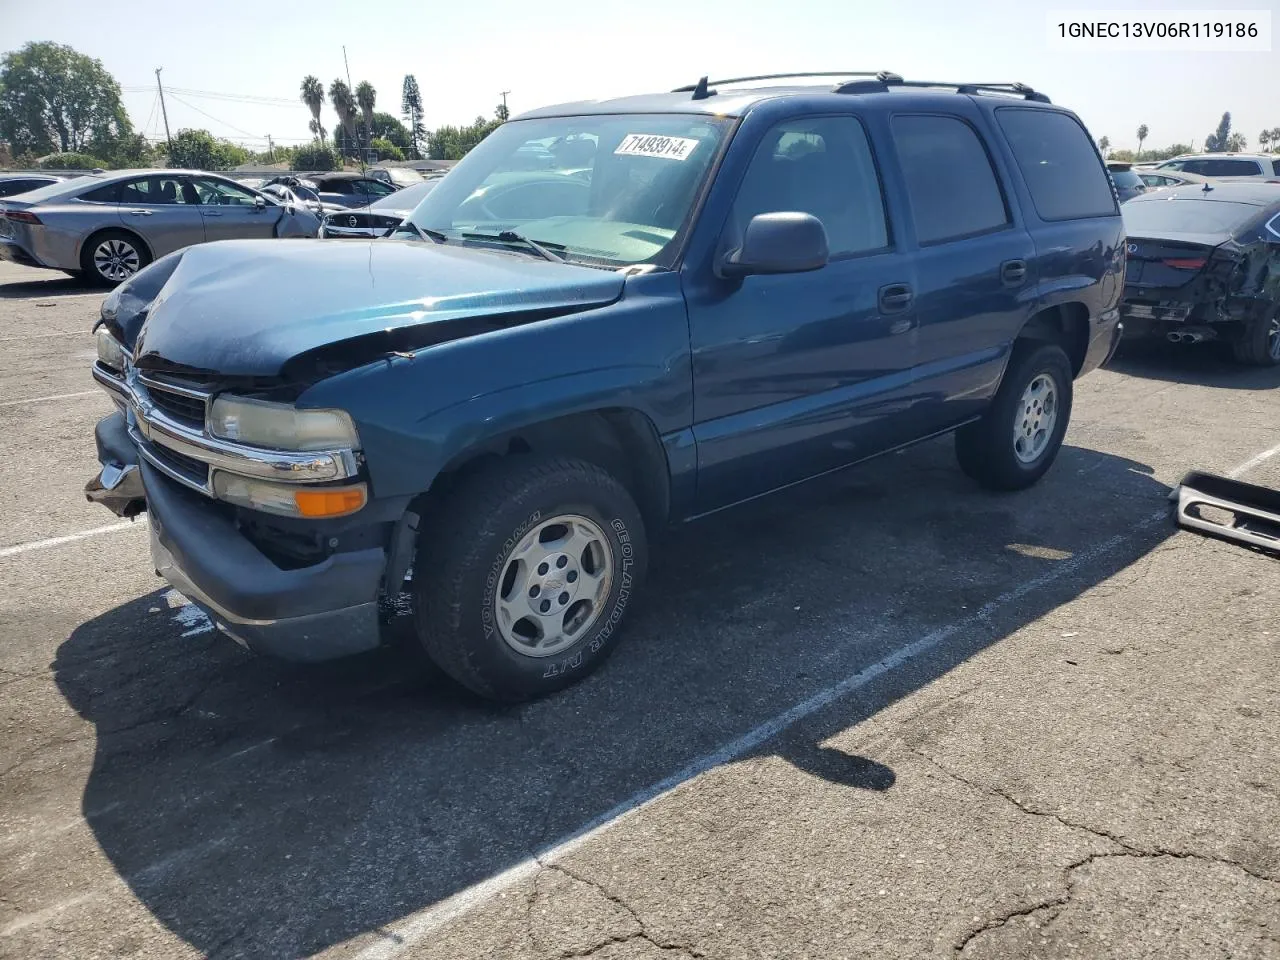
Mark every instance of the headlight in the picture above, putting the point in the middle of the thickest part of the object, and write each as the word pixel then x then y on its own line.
pixel 110 351
pixel 289 499
pixel 281 426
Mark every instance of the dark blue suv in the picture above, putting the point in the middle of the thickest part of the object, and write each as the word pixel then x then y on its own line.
pixel 703 296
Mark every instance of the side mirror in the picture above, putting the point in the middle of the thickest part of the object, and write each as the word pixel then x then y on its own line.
pixel 260 202
pixel 778 243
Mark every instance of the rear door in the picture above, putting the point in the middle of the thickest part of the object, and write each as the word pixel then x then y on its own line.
pixel 975 263
pixel 161 212
pixel 232 212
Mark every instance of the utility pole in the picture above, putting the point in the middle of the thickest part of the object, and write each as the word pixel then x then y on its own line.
pixel 505 113
pixel 164 112
pixel 271 150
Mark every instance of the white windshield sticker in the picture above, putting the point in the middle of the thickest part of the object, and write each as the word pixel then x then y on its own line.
pixel 648 145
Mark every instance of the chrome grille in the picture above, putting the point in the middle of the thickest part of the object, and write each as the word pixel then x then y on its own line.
pixel 190 468
pixel 184 409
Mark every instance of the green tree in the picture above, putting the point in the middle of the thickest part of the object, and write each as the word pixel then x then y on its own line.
pixel 1235 143
pixel 53 98
pixel 313 97
pixel 387 127
pixel 366 97
pixel 344 104
pixel 411 108
pixel 315 157
pixel 502 113
pixel 130 150
pixel 1104 146
pixel 1142 135
pixel 1216 142
pixel 386 149
pixel 200 150
pixel 453 143
pixel 72 161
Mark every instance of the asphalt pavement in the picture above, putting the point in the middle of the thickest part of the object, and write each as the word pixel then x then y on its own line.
pixel 887 715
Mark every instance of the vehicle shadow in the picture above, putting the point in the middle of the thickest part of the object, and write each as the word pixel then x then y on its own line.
pixel 1205 365
pixel 260 809
pixel 57 285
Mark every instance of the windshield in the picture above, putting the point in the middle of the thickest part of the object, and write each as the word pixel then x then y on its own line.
pixel 606 190
pixel 406 198
pixel 1175 215
pixel 1126 178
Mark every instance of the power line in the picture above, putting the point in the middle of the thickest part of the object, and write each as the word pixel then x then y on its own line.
pixel 214 95
pixel 211 116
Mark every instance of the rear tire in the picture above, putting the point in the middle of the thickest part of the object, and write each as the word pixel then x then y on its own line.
pixel 1259 345
pixel 1019 436
pixel 513 603
pixel 110 257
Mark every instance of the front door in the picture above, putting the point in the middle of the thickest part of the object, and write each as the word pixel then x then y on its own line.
pixel 798 374
pixel 232 213
pixel 156 208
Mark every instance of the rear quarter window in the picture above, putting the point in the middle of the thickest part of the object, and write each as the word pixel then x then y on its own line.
pixel 107 194
pixel 1061 168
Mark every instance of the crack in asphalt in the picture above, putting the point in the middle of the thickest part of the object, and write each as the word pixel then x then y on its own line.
pixel 1128 851
pixel 641 933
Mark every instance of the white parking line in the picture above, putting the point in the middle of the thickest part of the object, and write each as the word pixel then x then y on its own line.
pixel 55 396
pixel 395 938
pixel 69 538
pixel 1252 462
pixel 46 336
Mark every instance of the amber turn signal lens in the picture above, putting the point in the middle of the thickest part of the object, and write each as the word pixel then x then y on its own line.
pixel 329 503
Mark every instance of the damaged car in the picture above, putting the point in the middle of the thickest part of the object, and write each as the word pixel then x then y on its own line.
pixel 485 419
pixel 1203 264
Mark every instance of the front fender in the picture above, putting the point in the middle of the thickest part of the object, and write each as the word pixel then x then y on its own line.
pixel 417 412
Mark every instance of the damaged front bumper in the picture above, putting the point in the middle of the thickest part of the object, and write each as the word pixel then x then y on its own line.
pixel 318 612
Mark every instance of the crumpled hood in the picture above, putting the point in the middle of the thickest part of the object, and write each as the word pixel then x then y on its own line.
pixel 246 307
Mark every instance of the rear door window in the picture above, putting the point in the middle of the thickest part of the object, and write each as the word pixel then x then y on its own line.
pixel 1220 167
pixel 950 180
pixel 1060 165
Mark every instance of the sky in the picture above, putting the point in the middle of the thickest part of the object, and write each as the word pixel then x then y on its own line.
pixel 465 54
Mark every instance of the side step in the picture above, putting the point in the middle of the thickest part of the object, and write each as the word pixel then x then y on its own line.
pixel 1230 509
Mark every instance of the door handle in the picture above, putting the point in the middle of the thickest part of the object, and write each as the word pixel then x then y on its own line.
pixel 895 298
pixel 140 213
pixel 1013 272
pixel 212 213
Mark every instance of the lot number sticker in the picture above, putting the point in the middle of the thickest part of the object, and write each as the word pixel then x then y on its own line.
pixel 648 145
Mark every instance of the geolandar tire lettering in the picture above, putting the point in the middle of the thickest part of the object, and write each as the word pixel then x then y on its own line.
pixel 569 535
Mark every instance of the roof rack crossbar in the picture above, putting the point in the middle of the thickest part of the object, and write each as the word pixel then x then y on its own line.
pixel 789 76
pixel 972 88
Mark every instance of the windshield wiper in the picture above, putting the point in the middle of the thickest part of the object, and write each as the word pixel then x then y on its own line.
pixel 423 233
pixel 510 236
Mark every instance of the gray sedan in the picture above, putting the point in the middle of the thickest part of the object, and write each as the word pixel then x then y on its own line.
pixel 107 227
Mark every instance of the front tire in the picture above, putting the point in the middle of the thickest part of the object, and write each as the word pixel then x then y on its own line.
pixel 1019 437
pixel 111 257
pixel 523 581
pixel 1259 344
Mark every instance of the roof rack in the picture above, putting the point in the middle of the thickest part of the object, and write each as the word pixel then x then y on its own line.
pixel 869 81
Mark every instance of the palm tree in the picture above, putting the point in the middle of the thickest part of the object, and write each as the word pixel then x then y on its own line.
pixel 344 104
pixel 313 97
pixel 1104 147
pixel 366 97
pixel 1264 139
pixel 1236 142
pixel 1142 135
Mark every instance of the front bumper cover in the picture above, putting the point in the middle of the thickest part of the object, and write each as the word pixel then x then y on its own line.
pixel 319 612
